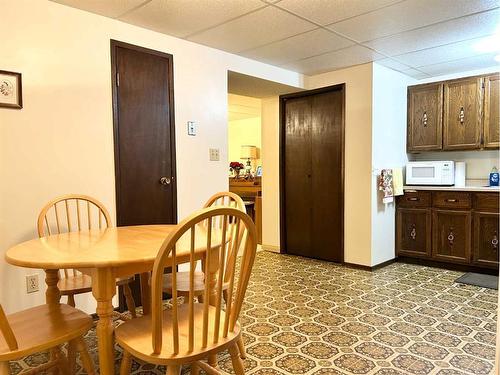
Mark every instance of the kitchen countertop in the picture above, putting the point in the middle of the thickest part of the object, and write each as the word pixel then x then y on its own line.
pixel 467 187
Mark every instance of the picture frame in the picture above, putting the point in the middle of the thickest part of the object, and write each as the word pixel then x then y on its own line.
pixel 258 172
pixel 11 95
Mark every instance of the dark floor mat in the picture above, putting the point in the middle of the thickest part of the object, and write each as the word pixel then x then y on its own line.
pixel 479 279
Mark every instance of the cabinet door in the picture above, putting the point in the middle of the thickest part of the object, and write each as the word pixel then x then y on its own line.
pixel 425 117
pixel 462 114
pixel 486 237
pixel 451 236
pixel 413 232
pixel 491 111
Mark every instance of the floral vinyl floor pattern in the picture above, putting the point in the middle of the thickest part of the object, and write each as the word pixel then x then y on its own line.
pixel 304 316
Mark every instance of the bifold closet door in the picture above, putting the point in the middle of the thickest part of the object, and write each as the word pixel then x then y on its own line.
pixel 313 175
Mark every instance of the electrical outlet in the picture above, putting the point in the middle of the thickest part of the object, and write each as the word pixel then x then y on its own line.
pixel 214 154
pixel 191 128
pixel 32 283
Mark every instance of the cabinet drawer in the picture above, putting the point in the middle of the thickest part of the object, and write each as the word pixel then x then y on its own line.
pixel 451 199
pixel 414 199
pixel 486 201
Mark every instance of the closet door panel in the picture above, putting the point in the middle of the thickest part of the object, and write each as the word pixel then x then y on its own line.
pixel 298 175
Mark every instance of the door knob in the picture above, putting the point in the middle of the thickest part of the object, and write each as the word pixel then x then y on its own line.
pixel 165 180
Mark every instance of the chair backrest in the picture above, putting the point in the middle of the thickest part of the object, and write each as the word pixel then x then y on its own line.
pixel 6 331
pixel 201 239
pixel 226 198
pixel 72 213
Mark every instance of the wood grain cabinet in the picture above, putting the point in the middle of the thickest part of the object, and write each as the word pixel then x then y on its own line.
pixel 491 117
pixel 462 114
pixel 451 235
pixel 449 226
pixel 425 120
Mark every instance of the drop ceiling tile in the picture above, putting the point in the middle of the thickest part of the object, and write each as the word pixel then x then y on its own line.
pixel 441 54
pixel 349 56
pixel 393 64
pixel 415 73
pixel 108 8
pixel 252 30
pixel 298 47
pixel 328 11
pixel 462 65
pixel 408 15
pixel 469 27
pixel 183 17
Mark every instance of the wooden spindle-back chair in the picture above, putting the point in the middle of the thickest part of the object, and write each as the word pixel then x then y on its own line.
pixel 70 213
pixel 45 328
pixel 190 332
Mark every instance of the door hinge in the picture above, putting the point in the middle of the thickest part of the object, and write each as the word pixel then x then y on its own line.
pixel 117 79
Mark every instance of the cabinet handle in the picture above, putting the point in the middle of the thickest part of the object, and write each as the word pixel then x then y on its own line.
pixel 461 116
pixel 413 233
pixel 424 119
pixel 413 199
pixel 451 237
pixel 494 241
pixel 451 200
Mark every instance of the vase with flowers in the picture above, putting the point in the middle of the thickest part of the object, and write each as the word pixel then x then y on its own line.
pixel 236 167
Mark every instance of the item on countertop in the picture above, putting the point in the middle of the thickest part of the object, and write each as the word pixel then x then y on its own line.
pixel 494 177
pixel 460 173
pixel 397 181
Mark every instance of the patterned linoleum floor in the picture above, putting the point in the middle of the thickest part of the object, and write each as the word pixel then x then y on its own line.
pixel 303 316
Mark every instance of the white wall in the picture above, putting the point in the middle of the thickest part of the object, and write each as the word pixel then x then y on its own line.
pixel 62 140
pixel 388 151
pixel 358 151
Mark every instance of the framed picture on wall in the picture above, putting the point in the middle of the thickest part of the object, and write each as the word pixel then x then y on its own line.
pixel 10 90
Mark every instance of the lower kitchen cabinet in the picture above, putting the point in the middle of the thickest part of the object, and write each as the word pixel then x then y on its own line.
pixel 451 236
pixel 449 227
pixel 414 232
pixel 485 250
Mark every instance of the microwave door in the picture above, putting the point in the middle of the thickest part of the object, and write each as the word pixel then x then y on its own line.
pixel 424 174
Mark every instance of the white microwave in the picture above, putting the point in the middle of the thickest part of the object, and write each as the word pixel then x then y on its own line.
pixel 430 173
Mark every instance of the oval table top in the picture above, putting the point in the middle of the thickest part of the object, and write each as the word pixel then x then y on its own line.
pixel 111 247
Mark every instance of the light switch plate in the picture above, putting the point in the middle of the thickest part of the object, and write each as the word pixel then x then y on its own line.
pixel 214 154
pixel 191 127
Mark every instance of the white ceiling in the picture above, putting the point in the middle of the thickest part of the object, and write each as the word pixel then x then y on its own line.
pixel 421 38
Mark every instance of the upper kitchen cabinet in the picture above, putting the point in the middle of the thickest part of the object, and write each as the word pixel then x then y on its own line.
pixel 425 120
pixel 462 114
pixel 491 115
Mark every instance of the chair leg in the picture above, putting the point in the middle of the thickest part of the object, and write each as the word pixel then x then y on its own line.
pixel 241 347
pixel 200 298
pixel 72 356
pixel 4 368
pixel 195 369
pixel 126 363
pixel 71 300
pixel 236 360
pixel 130 300
pixel 87 363
pixel 173 370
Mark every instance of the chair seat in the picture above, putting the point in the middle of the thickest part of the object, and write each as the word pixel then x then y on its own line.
pixel 43 327
pixel 135 336
pixel 183 283
pixel 83 284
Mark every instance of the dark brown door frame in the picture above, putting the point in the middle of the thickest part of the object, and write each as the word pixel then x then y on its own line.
pixel 114 45
pixel 282 145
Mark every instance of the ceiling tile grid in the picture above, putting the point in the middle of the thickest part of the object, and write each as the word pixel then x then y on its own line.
pixel 420 38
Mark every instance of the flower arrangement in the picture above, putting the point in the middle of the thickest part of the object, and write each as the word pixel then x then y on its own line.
pixel 236 165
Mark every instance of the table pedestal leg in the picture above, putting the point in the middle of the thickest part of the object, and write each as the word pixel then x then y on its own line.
pixel 103 289
pixel 52 294
pixel 145 293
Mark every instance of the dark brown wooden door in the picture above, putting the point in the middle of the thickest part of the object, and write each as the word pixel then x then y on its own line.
pixel 312 173
pixel 144 137
pixel 491 111
pixel 451 235
pixel 425 116
pixel 486 239
pixel 413 232
pixel 462 114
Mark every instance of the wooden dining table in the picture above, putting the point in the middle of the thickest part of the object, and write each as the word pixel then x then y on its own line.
pixel 106 255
